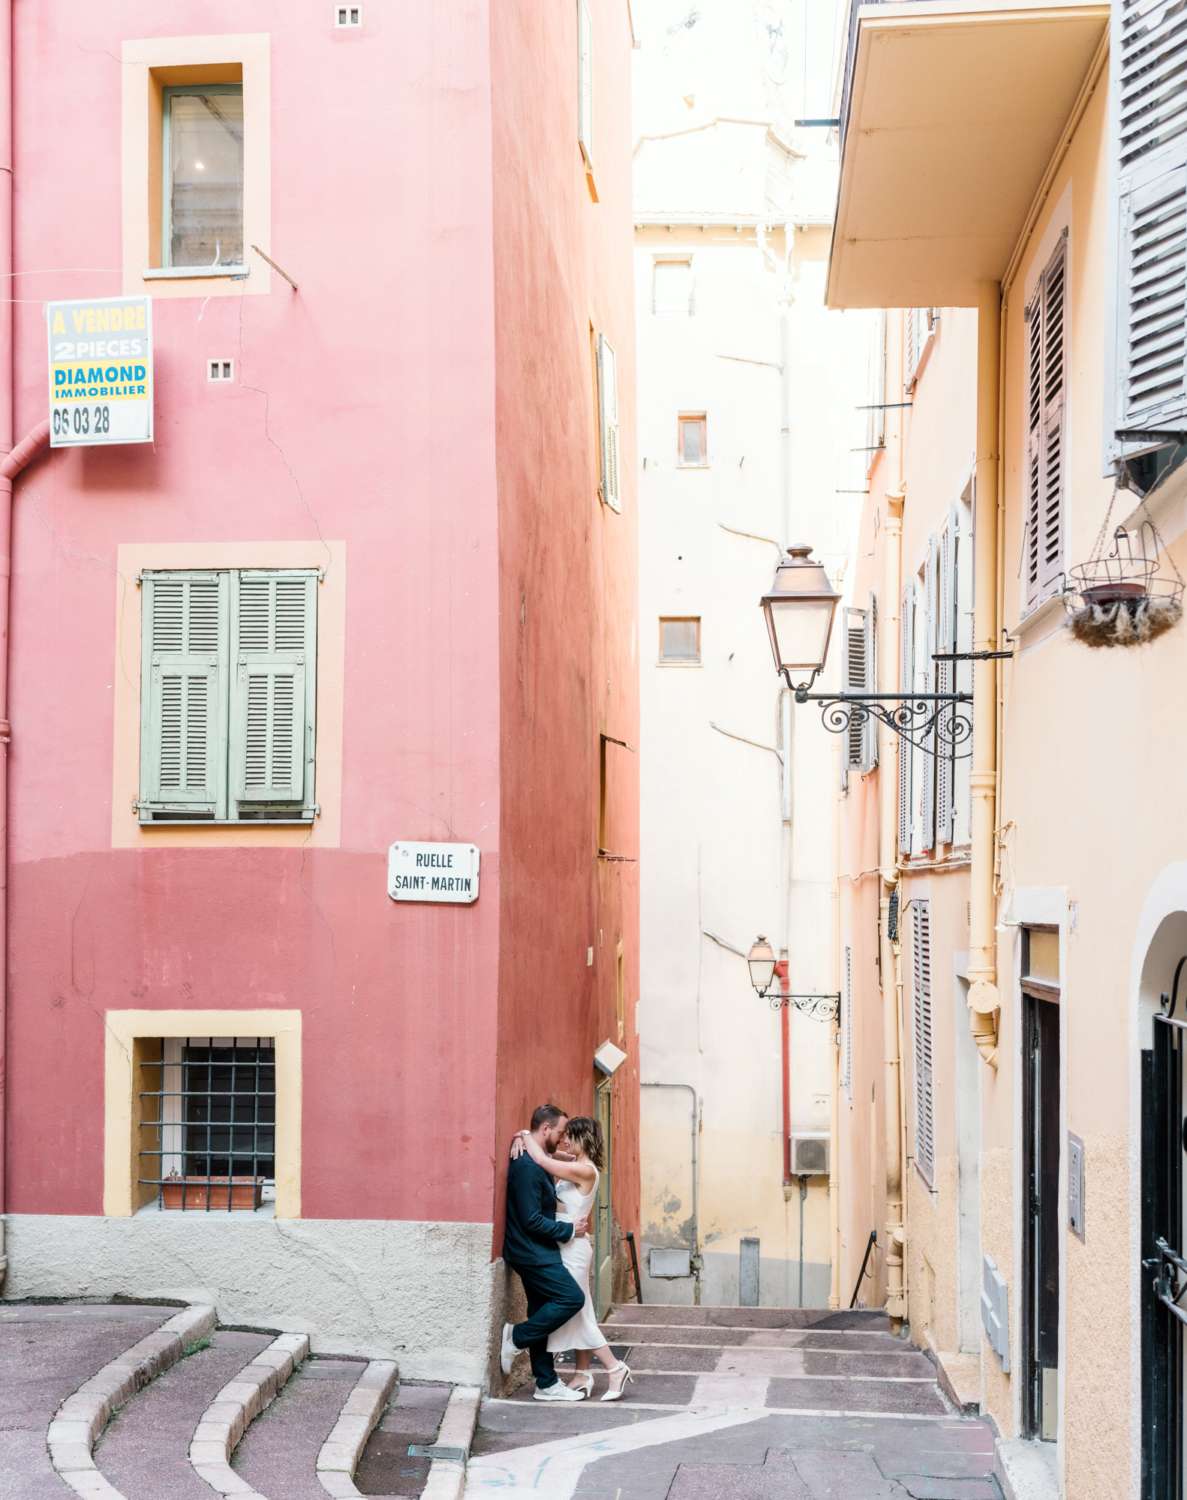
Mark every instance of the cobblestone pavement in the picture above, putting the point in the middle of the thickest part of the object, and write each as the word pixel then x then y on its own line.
pixel 749 1403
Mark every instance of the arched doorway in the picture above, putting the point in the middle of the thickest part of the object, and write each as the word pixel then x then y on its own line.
pixel 1162 1024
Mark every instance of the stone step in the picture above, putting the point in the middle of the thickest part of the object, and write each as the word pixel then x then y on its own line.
pixel 151 1403
pixel 855 1319
pixel 747 1360
pixel 840 1340
pixel 144 1451
pixel 46 1353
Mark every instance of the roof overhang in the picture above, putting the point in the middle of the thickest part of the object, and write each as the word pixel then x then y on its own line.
pixel 955 110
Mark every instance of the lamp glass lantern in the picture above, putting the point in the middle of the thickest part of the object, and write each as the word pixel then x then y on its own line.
pixel 799 610
pixel 761 960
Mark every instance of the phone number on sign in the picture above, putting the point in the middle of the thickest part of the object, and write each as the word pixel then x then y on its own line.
pixel 81 421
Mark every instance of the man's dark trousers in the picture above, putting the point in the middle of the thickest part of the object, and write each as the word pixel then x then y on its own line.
pixel 553 1298
pixel 530 1240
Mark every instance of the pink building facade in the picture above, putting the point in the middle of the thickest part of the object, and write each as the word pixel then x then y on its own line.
pixel 417 448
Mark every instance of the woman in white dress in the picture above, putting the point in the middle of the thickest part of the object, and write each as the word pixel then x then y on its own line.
pixel 577 1165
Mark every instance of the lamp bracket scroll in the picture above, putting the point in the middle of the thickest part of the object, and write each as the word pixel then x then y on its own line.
pixel 931 722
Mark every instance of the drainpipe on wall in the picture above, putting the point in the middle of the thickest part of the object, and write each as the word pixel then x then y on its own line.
pixel 984 998
pixel 892 529
pixel 834 1098
pixel 785 1028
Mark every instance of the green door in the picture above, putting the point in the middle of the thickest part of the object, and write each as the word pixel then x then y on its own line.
pixel 603 1265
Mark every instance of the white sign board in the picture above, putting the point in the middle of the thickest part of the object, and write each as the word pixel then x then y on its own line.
pixel 100 371
pixel 432 872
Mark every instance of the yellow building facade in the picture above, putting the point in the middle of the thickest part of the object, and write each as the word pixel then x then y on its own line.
pixel 1013 914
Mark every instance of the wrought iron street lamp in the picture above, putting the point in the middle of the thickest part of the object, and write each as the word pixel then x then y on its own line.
pixel 761 960
pixel 799 610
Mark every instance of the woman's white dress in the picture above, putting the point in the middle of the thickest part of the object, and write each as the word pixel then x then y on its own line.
pixel 581 1331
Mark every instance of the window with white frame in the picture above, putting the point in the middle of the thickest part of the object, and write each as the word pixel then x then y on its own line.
pixel 692 440
pixel 228 695
pixel 919 326
pixel 859 675
pixel 672 287
pixel 1046 432
pixel 202 175
pixel 608 487
pixel 925 1127
pixel 585 123
pixel 208 1122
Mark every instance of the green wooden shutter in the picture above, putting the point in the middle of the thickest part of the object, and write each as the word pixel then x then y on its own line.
pixel 183 696
pixel 608 393
pixel 274 693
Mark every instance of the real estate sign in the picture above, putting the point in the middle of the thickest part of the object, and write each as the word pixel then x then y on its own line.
pixel 432 872
pixel 100 371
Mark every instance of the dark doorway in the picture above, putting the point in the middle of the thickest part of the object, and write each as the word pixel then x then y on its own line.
pixel 1041 1143
pixel 1163 1141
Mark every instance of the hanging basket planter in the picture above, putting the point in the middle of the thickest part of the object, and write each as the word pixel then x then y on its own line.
pixel 1118 598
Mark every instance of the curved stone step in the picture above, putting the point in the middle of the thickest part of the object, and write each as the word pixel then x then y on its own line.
pixel 144 1453
pixel 46 1353
pixel 82 1416
pixel 242 1399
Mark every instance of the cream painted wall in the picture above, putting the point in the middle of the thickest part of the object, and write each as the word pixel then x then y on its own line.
pixel 720 832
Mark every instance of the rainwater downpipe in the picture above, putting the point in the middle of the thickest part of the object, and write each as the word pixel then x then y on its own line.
pixel 696 1228
pixel 13 461
pixel 834 1100
pixel 892 530
pixel 984 998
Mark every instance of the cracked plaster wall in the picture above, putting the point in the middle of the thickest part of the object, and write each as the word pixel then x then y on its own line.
pixel 420 1293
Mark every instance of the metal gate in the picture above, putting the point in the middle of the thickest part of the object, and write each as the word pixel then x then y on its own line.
pixel 1164 1278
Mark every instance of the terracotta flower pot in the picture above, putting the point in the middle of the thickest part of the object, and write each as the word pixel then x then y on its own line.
pixel 204 1193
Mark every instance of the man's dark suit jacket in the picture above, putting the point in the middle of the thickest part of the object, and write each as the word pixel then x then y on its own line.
pixel 532 1233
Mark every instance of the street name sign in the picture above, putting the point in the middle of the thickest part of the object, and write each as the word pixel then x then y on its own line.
pixel 432 872
pixel 100 371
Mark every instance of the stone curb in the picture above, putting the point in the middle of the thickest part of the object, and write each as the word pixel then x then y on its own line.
pixel 447 1479
pixel 1024 1470
pixel 82 1417
pixel 231 1412
pixel 340 1453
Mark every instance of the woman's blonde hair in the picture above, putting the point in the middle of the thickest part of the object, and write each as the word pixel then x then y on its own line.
pixel 587 1134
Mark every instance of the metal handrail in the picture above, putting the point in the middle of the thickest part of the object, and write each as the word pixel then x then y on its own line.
pixel 870 1243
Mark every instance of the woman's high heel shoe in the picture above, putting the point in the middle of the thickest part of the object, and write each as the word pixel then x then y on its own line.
pixel 583 1382
pixel 610 1394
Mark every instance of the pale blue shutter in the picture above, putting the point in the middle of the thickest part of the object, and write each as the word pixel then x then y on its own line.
pixel 925 1130
pixel 853 680
pixel 906 683
pixel 869 748
pixel 928 647
pixel 274 693
pixel 183 696
pixel 608 395
pixel 1149 143
pixel 945 645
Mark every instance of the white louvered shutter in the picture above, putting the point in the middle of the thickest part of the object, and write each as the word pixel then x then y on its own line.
pixel 869 743
pixel 945 643
pixel 847 1023
pixel 925 1146
pixel 906 683
pixel 1150 142
pixel 855 682
pixel 585 82
pixel 928 646
pixel 273 697
pixel 182 721
pixel 608 395
pixel 1046 405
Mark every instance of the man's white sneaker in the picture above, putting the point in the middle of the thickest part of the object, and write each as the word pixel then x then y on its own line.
pixel 558 1392
pixel 509 1350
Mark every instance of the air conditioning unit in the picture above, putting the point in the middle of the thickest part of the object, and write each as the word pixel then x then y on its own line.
pixel 809 1154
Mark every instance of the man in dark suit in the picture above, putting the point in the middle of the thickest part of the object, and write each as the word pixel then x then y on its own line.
pixel 530 1242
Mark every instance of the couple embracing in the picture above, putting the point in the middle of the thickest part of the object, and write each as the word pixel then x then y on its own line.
pixel 550 1250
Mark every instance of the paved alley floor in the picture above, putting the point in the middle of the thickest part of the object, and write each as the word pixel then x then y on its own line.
pixel 744 1403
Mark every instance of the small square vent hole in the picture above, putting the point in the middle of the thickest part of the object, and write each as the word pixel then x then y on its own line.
pixel 220 369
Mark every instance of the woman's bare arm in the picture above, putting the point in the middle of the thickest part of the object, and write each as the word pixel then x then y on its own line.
pixel 568 1170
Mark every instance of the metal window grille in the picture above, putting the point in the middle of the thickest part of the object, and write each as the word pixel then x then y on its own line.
pixel 209 1127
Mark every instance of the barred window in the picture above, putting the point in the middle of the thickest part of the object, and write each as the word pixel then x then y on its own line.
pixel 208 1129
